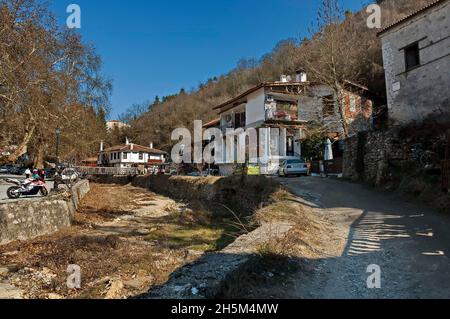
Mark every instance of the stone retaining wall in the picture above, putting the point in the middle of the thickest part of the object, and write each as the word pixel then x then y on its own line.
pixel 205 278
pixel 26 219
pixel 368 155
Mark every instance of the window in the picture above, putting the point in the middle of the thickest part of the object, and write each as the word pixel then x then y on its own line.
pixel 125 156
pixel 412 56
pixel 328 105
pixel 141 156
pixel 239 120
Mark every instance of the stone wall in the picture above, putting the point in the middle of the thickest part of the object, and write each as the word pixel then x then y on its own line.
pixel 422 91
pixel 204 278
pixel 368 155
pixel 27 219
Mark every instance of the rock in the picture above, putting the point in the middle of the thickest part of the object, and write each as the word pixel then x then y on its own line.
pixel 142 232
pixel 8 291
pixel 4 271
pixel 52 296
pixel 101 281
pixel 10 253
pixel 137 282
pixel 115 290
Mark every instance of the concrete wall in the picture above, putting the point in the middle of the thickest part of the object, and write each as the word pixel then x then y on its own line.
pixel 27 219
pixel 422 91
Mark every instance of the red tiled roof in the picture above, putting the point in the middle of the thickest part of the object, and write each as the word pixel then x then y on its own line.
pixel 133 148
pixel 412 15
pixel 155 162
pixel 90 159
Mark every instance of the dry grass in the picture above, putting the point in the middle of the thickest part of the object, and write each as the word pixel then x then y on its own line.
pixel 280 260
pixel 175 235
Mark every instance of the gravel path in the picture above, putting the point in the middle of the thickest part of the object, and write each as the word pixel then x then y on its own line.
pixel 409 242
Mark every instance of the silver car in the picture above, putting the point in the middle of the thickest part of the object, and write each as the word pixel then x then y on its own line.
pixel 294 167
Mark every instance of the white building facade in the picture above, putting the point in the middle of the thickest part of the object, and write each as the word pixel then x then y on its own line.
pixel 272 110
pixel 131 155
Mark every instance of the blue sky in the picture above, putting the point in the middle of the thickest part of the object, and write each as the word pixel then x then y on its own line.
pixel 154 48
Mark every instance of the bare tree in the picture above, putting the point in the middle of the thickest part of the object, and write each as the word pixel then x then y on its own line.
pixel 45 71
pixel 335 53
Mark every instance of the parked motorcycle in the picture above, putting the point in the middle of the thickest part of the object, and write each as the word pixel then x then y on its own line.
pixel 23 188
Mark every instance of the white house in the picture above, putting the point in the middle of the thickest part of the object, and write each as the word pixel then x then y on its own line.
pixel 275 107
pixel 284 109
pixel 131 155
pixel 111 125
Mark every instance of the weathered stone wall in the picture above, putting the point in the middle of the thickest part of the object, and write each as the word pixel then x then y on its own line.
pixel 368 155
pixel 423 91
pixel 204 278
pixel 27 219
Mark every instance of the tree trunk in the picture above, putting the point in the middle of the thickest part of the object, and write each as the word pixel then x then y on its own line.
pixel 23 147
pixel 341 107
pixel 39 158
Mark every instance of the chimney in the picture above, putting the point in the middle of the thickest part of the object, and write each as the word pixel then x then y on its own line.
pixel 102 146
pixel 131 146
pixel 151 144
pixel 301 76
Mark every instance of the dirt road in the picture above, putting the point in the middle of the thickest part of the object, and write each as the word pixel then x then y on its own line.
pixel 409 242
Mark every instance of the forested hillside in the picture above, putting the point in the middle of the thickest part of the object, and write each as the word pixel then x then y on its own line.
pixel 358 59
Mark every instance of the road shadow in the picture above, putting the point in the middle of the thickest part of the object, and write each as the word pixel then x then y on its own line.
pixel 408 242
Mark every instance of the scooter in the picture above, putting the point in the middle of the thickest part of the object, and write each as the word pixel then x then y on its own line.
pixel 26 188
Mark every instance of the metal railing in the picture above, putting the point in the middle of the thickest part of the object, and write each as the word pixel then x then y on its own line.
pixel 113 171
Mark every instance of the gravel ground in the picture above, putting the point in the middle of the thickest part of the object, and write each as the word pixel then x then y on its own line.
pixel 409 242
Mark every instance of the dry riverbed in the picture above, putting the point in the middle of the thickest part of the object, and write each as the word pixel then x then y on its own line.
pixel 125 239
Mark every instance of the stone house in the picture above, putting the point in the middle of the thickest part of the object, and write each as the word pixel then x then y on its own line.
pixel 416 54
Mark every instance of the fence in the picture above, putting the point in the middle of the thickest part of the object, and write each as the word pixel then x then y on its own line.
pixel 113 171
